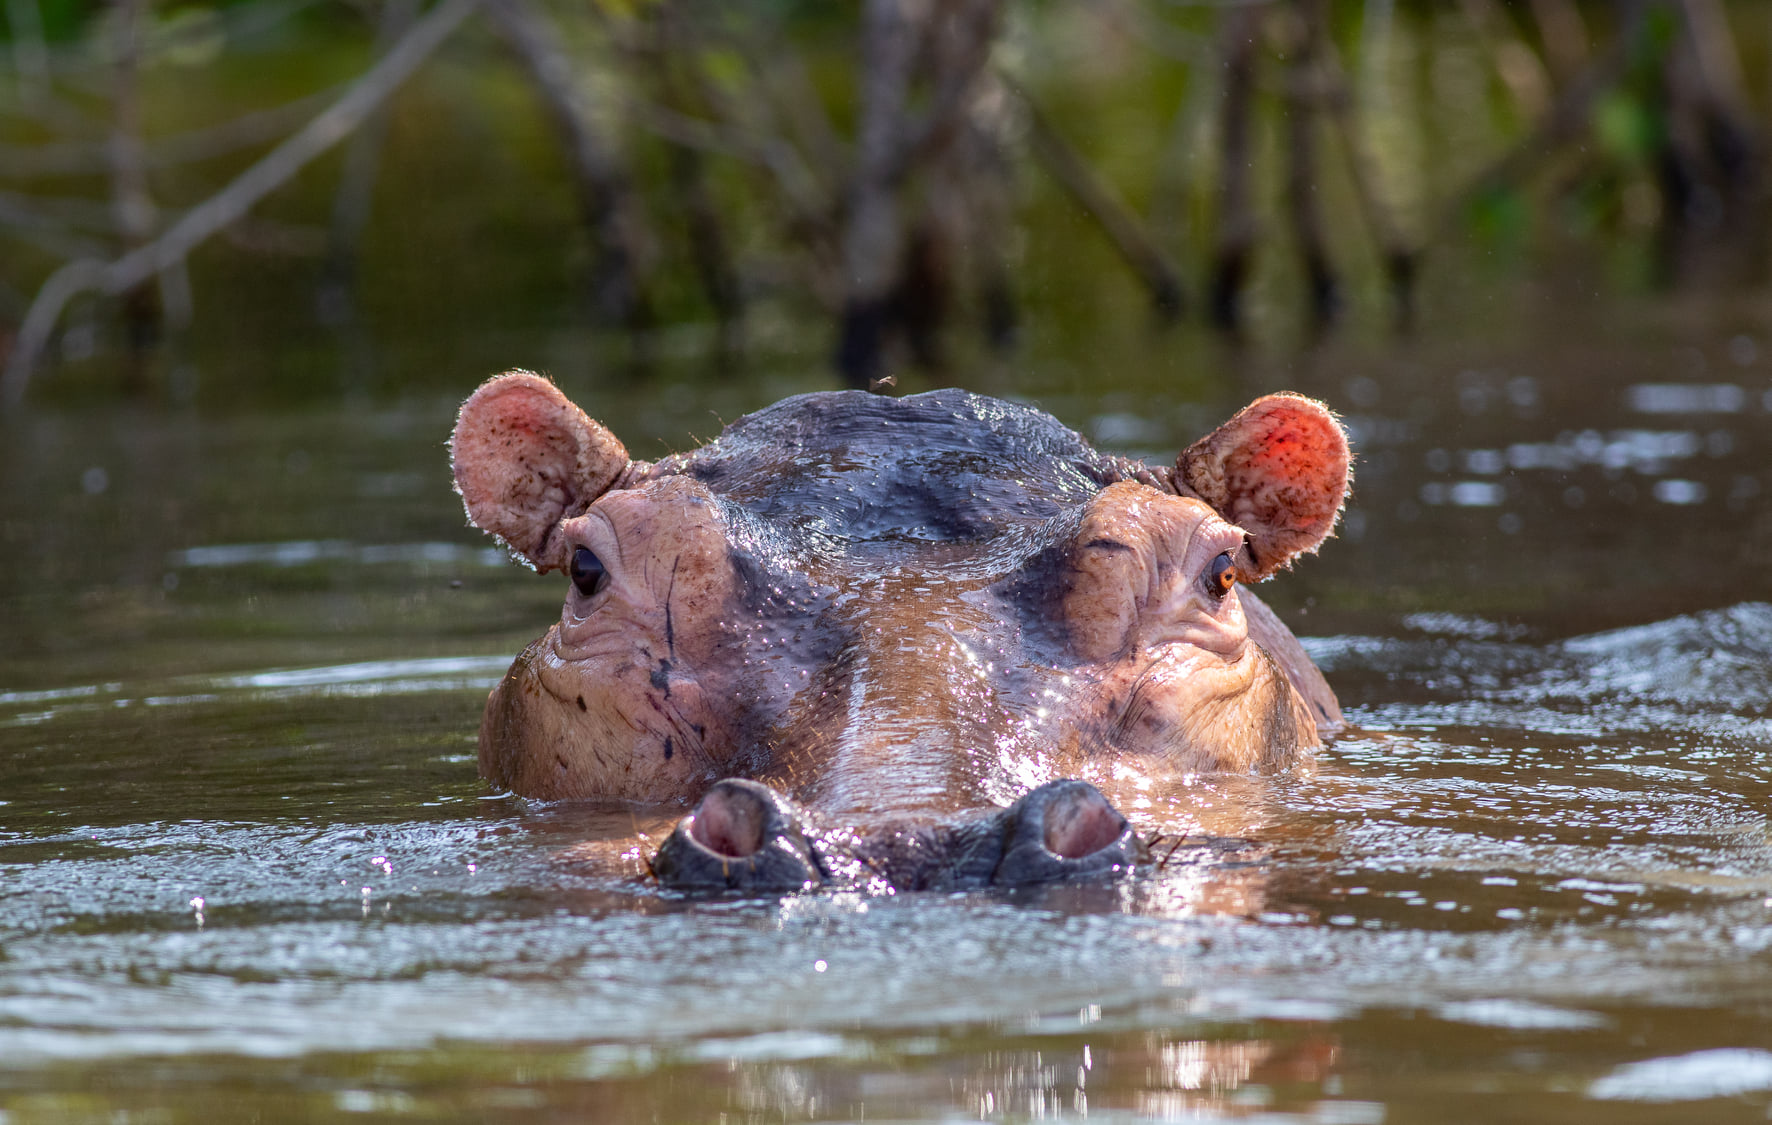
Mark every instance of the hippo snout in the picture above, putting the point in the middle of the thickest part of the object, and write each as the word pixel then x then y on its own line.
pixel 745 836
pixel 1064 830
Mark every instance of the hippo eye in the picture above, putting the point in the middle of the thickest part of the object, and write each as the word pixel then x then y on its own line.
pixel 1220 577
pixel 588 573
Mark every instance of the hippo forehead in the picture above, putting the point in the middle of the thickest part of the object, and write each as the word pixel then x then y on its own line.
pixel 864 474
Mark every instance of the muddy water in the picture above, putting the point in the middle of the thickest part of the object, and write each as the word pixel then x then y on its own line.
pixel 246 868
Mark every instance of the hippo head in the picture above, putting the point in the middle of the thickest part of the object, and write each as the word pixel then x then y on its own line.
pixel 850 619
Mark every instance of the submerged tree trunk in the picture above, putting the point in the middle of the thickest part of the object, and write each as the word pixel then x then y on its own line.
pixel 872 238
pixel 1303 171
pixel 1124 229
pixel 667 62
pixel 710 252
pixel 1712 159
pixel 611 207
pixel 892 281
pixel 336 299
pixel 1398 255
pixel 132 209
pixel 1234 239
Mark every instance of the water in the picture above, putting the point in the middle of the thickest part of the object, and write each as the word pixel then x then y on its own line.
pixel 246 869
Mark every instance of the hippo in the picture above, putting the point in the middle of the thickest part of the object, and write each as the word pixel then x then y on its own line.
pixel 898 642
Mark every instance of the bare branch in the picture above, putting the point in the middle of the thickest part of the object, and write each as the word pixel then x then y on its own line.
pixel 790 90
pixel 1123 228
pixel 53 212
pixel 1564 35
pixel 710 247
pixel 1397 251
pixel 352 202
pixel 780 101
pixel 85 158
pixel 611 207
pixel 1158 35
pixel 1567 116
pixel 232 202
pixel 1515 63
pixel 20 221
pixel 789 134
pixel 961 48
pixel 778 157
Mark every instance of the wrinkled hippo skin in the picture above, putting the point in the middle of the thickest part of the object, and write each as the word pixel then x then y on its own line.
pixel 850 623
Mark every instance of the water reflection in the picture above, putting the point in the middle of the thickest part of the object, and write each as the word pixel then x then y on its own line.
pixel 1287 1075
pixel 1700 1076
pixel 1689 398
pixel 365 679
pixel 306 552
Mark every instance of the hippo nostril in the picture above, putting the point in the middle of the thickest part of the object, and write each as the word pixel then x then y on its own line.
pixel 744 836
pixel 1063 829
pixel 731 821
pixel 1081 822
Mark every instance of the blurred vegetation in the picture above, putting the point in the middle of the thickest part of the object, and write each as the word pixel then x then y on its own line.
pixel 298 198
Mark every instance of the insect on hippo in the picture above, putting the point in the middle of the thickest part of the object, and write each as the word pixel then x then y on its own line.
pixel 850 622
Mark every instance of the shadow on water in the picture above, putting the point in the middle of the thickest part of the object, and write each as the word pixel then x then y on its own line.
pixel 247 864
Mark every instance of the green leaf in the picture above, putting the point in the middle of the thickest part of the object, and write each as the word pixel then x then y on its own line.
pixel 1625 127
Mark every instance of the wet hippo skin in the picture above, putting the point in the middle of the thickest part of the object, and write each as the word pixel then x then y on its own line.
pixel 898 639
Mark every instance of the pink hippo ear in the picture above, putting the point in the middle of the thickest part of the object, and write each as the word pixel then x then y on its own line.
pixel 1278 470
pixel 525 459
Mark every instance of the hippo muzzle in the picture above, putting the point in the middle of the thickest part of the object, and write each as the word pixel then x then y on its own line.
pixel 744 836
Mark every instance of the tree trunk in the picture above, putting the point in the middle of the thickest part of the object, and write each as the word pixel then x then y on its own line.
pixel 612 210
pixel 872 237
pixel 1303 203
pixel 1235 236
pixel 132 209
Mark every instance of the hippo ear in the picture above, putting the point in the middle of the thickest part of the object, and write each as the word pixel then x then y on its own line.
pixel 1278 470
pixel 526 458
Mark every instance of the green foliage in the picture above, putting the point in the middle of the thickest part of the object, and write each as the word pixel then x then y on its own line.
pixel 1501 217
pixel 1627 127
pixel 69 21
pixel 62 20
pixel 1661 28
